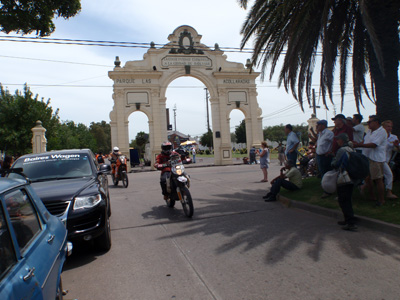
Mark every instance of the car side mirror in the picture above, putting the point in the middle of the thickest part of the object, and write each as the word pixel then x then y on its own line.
pixel 104 169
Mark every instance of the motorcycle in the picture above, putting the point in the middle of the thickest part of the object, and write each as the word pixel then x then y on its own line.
pixel 178 184
pixel 185 157
pixel 122 174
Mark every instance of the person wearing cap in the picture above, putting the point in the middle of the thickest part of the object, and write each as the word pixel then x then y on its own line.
pixel 340 127
pixel 324 147
pixel 344 191
pixel 358 130
pixel 374 147
pixel 291 144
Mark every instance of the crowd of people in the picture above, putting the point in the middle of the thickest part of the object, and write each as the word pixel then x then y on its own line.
pixel 331 150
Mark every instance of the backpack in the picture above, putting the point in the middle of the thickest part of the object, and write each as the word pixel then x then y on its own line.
pixel 100 159
pixel 357 166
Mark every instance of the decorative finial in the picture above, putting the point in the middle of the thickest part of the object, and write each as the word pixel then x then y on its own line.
pixel 117 62
pixel 216 46
pixel 248 64
pixel 152 45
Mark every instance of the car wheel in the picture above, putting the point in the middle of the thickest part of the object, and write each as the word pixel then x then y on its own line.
pixel 59 293
pixel 103 242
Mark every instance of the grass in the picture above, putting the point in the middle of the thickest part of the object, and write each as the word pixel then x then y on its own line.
pixel 312 191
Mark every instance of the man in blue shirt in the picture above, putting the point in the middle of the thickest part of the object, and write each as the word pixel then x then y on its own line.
pixel 291 144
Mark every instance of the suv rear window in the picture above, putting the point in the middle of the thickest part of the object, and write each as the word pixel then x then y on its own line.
pixel 54 166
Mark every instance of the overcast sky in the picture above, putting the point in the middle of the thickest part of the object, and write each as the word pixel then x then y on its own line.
pixel 141 21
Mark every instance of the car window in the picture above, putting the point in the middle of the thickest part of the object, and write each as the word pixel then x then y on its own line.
pixel 54 166
pixel 7 254
pixel 24 218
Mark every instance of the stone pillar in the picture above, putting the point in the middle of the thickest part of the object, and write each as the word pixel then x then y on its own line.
pixel 312 123
pixel 39 141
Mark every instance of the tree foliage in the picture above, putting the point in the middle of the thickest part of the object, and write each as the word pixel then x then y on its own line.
pixel 365 32
pixel 140 142
pixel 18 115
pixel 207 139
pixel 240 132
pixel 101 131
pixel 277 133
pixel 35 15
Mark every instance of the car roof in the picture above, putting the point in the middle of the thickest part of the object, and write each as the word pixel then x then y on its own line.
pixel 55 152
pixel 10 183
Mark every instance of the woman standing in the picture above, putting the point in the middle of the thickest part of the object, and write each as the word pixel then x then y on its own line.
pixel 264 160
pixel 392 144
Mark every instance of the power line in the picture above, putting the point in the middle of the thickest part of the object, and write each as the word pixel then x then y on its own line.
pixel 56 61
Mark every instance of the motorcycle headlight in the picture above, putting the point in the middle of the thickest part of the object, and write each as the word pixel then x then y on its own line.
pixel 87 201
pixel 179 170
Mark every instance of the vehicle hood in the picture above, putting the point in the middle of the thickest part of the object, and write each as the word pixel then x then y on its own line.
pixel 63 190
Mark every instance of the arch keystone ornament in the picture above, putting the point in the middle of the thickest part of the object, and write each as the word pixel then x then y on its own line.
pixel 142 85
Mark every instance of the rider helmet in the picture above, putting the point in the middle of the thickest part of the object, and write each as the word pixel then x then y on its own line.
pixel 166 148
pixel 115 150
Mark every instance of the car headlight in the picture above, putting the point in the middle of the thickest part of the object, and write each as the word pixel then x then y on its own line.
pixel 87 201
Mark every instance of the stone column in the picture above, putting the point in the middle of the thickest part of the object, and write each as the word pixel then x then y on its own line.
pixel 216 126
pixel 312 123
pixel 39 141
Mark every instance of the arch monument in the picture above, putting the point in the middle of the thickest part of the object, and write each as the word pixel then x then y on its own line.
pixel 142 85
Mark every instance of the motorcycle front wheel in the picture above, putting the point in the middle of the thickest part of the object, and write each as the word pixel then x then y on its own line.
pixel 114 180
pixel 125 181
pixel 187 203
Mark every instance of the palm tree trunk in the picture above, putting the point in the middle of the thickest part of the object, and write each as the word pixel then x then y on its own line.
pixel 385 75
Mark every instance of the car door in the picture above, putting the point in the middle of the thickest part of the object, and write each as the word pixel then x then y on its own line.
pixel 37 244
pixel 16 280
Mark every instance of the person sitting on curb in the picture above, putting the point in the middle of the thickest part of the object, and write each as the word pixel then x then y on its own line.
pixel 294 183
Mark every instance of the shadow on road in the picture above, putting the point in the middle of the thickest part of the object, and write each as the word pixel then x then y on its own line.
pixel 249 222
pixel 82 254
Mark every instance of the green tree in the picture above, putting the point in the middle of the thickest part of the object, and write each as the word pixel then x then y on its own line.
pixel 302 133
pixel 35 15
pixel 101 131
pixel 140 142
pixel 207 139
pixel 18 114
pixel 240 132
pixel 275 133
pixel 365 31
pixel 75 136
pixel 233 137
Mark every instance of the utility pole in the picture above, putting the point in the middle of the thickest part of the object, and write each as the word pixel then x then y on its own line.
pixel 174 116
pixel 314 106
pixel 208 113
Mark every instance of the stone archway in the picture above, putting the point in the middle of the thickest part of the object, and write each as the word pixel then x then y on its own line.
pixel 141 86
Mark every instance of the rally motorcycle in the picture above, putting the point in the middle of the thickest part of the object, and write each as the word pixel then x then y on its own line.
pixel 121 174
pixel 178 184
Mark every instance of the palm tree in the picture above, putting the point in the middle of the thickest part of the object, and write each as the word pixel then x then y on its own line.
pixel 364 31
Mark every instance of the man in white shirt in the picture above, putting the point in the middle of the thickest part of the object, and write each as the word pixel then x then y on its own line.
pixel 324 147
pixel 374 147
pixel 359 130
pixel 291 144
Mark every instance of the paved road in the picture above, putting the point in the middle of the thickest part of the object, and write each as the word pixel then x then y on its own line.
pixel 235 247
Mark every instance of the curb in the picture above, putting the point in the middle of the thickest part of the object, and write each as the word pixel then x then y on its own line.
pixel 373 224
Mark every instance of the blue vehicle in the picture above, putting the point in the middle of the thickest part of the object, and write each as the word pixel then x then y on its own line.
pixel 33 245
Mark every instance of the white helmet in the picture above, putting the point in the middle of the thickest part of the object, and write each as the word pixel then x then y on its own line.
pixel 116 150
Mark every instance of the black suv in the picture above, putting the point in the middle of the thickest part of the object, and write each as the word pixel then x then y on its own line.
pixel 74 187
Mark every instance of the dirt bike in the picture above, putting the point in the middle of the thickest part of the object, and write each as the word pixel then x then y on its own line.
pixel 178 184
pixel 122 174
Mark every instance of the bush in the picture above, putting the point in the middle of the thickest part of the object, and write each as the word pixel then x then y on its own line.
pixel 208 152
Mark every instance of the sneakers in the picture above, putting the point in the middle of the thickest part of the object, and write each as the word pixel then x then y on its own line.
pixel 350 227
pixel 267 196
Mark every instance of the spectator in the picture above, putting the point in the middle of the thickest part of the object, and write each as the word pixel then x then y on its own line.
pixel 340 127
pixel 291 144
pixel 392 144
pixel 344 190
pixel 324 147
pixel 281 154
pixel 374 147
pixel 294 183
pixel 264 161
pixel 350 123
pixel 194 154
pixel 7 162
pixel 253 155
pixel 358 130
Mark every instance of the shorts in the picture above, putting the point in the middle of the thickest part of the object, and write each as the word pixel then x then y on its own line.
pixel 375 169
pixel 263 166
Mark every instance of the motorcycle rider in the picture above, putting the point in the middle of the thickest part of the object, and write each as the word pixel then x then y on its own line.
pixel 114 160
pixel 162 163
